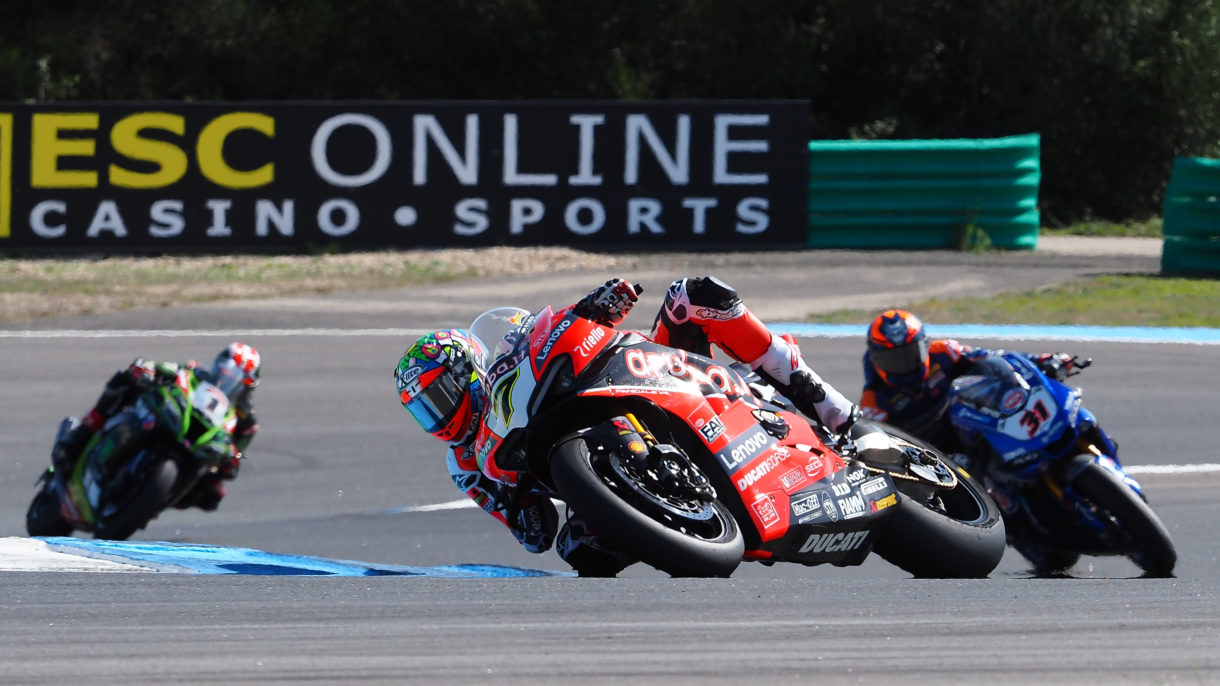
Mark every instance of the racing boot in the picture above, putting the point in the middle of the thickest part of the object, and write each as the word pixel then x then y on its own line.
pixel 580 547
pixel 781 362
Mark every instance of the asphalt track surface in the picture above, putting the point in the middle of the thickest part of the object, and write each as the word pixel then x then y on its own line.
pixel 338 467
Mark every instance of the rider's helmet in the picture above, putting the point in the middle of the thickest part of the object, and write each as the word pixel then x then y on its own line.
pixel 898 348
pixel 439 383
pixel 236 369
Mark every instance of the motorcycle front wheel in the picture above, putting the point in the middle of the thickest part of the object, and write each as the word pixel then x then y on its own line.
pixel 43 518
pixel 1154 550
pixel 684 539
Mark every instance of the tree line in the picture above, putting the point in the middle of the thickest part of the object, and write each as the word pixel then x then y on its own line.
pixel 1116 88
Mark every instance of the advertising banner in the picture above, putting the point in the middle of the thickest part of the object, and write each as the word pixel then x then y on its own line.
pixel 275 176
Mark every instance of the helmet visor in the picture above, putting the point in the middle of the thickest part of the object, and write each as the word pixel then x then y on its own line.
pixel 228 377
pixel 904 359
pixel 435 405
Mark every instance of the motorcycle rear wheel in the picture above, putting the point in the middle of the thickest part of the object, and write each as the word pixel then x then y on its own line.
pixel 958 534
pixel 43 518
pixel 145 503
pixel 1155 552
pixel 670 543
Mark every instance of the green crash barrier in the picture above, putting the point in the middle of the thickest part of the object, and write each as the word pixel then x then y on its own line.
pixel 1192 218
pixel 924 193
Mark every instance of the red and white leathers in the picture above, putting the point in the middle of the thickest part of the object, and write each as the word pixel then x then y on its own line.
pixel 699 312
pixel 696 313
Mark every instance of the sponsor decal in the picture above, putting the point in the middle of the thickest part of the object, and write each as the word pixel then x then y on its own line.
pixel 587 346
pixel 828 506
pixel 745 449
pixel 550 340
pixel 873 485
pixel 761 469
pixel 485 449
pixel 1013 400
pixel 765 509
pixel 408 379
pixel 792 478
pixel 887 501
pixel 851 507
pixel 834 543
pixel 804 505
pixel 856 475
pixel 504 364
pixel 713 429
pixel 840 489
pixel 711 313
pixel 814 467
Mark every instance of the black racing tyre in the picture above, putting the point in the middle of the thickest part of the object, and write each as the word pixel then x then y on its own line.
pixel 43 518
pixel 144 504
pixel 711 548
pixel 1154 549
pixel 959 533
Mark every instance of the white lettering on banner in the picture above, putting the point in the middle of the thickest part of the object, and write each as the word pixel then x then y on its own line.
pixel 166 219
pixel 106 219
pixel 465 167
pixel 38 219
pixel 383 150
pixel 471 216
pixel 659 151
pixel 349 217
pixel 511 176
pixel 266 213
pixel 834 543
pixel 597 216
pixel 841 489
pixel 724 145
pixel 677 166
pixel 220 225
pixel 584 175
pixel 522 212
pixel 755 210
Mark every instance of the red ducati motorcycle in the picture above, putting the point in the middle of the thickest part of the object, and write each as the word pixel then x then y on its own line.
pixel 694 466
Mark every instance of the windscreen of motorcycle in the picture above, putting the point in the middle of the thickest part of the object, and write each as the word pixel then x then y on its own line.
pixel 499 330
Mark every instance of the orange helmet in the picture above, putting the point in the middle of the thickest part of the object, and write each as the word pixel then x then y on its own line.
pixel 898 348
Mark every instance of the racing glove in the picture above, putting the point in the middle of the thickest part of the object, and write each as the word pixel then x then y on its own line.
pixel 609 303
pixel 534 523
pixel 1060 366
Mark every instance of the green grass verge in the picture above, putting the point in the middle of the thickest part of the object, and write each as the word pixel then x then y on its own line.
pixel 1100 301
pixel 1148 228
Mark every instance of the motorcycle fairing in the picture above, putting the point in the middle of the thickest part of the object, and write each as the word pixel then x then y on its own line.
pixel 1022 418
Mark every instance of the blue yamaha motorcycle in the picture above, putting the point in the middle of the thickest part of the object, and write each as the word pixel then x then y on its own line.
pixel 1052 470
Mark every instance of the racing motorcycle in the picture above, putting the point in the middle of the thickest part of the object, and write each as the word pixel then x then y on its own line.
pixel 693 466
pixel 143 460
pixel 1052 470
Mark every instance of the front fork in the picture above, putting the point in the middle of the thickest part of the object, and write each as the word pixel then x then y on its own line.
pixel 661 463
